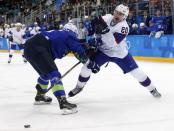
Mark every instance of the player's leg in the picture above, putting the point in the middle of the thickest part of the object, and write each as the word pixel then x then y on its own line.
pixel 41 87
pixel 11 51
pixel 145 81
pixel 46 66
pixel 37 52
pixel 128 65
pixel 85 73
pixel 83 78
pixel 21 48
pixel 59 93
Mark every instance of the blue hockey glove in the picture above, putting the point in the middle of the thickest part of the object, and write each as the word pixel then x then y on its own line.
pixel 93 66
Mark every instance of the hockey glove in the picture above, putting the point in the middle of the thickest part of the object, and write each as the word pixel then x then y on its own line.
pixel 82 58
pixel 95 41
pixel 93 66
pixel 10 38
pixel 90 50
pixel 99 25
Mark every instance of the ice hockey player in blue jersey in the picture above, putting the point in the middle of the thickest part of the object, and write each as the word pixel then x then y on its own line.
pixel 158 25
pixel 159 22
pixel 41 50
pixel 113 49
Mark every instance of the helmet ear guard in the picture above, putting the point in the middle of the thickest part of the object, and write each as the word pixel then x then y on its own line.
pixel 123 9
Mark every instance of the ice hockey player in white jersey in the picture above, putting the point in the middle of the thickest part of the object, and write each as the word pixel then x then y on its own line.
pixel 114 49
pixel 16 41
pixel 35 30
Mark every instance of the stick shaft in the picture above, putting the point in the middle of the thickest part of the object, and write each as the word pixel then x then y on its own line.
pixel 67 72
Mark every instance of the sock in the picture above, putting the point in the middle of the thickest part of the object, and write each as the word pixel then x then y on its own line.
pixel 43 82
pixel 82 81
pixel 148 84
pixel 58 89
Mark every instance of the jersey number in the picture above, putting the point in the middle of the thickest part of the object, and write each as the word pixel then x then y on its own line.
pixel 124 30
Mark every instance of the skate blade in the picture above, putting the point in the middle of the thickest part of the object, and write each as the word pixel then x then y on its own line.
pixel 69 111
pixel 157 96
pixel 41 103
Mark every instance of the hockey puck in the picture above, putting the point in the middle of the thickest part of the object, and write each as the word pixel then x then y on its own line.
pixel 27 126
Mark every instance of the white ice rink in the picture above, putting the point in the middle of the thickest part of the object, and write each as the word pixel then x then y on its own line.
pixel 111 101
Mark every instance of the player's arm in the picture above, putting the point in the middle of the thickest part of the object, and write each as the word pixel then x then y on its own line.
pixel 121 34
pixel 76 47
pixel 81 54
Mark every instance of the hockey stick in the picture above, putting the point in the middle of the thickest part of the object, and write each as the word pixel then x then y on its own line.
pixel 64 75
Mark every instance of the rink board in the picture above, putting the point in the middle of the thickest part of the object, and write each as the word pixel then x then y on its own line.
pixel 142 47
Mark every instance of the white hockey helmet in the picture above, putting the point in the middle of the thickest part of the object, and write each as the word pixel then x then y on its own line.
pixel 23 25
pixel 86 17
pixel 35 23
pixel 142 24
pixel 5 25
pixel 12 24
pixel 37 28
pixel 8 26
pixel 71 27
pixel 123 9
pixel 18 25
pixel 60 26
pixel 134 25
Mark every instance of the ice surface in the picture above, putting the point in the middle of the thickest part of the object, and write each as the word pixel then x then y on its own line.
pixel 111 101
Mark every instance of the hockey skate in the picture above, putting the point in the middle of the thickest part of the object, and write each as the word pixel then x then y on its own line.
pixel 9 61
pixel 155 93
pixel 75 91
pixel 66 107
pixel 25 61
pixel 41 98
